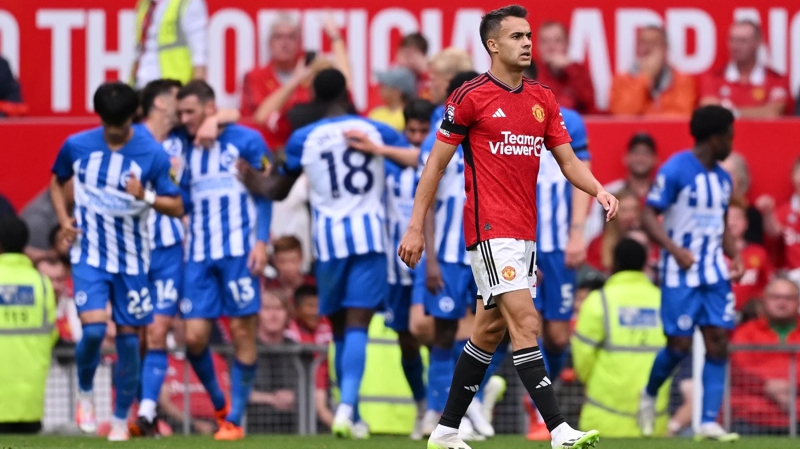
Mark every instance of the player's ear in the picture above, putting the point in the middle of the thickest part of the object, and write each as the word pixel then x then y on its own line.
pixel 492 44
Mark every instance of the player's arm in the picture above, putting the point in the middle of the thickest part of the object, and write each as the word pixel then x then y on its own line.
pixel 441 153
pixel 736 269
pixel 166 198
pixel 407 157
pixel 62 172
pixel 260 158
pixel 278 183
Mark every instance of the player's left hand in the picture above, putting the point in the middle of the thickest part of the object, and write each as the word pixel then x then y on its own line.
pixel 360 141
pixel 736 270
pixel 575 252
pixel 410 250
pixel 135 187
pixel 609 203
pixel 257 260
pixel 208 132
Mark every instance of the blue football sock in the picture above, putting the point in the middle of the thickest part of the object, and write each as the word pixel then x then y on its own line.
pixel 412 368
pixel 554 361
pixel 338 344
pixel 663 366
pixel 458 348
pixel 242 378
pixel 354 356
pixel 126 373
pixel 440 375
pixel 87 354
pixel 497 360
pixel 153 372
pixel 713 388
pixel 203 366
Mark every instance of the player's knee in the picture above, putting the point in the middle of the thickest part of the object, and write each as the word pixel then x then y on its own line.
pixel 94 333
pixel 556 341
pixel 422 329
pixel 680 345
pixel 445 333
pixel 717 345
pixel 157 336
pixel 196 341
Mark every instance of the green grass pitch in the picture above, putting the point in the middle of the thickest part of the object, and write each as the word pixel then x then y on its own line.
pixel 380 442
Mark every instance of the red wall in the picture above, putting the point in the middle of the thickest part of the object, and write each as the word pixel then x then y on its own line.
pixel 29 147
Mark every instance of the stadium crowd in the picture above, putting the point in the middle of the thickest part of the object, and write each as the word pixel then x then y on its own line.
pixel 280 98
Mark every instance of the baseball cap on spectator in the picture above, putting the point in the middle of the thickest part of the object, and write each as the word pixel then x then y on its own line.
pixel 642 139
pixel 399 78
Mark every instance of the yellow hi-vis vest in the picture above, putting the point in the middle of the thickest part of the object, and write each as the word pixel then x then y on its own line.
pixel 27 336
pixel 385 401
pixel 174 57
pixel 617 336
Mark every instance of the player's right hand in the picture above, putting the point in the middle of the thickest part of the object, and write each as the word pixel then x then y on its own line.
pixel 411 247
pixel 433 277
pixel 684 258
pixel 68 230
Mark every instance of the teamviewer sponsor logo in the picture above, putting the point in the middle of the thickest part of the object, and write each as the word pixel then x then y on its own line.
pixel 518 145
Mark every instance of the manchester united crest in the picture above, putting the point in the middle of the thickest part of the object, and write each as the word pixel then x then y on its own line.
pixel 538 113
pixel 509 273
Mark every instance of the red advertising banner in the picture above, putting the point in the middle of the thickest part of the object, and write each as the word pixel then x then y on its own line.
pixel 62 49
pixel 30 147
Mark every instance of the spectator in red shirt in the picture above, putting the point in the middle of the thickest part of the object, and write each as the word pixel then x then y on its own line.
pixel 760 388
pixel 413 55
pixel 570 81
pixel 784 223
pixel 757 267
pixel 272 90
pixel 746 85
pixel 287 259
pixel 311 328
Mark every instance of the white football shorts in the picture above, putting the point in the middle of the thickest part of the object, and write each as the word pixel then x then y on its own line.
pixel 503 265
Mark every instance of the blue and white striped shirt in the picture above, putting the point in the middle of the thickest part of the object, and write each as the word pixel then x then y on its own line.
pixel 114 232
pixel 554 192
pixel 401 185
pixel 451 247
pixel 225 219
pixel 347 186
pixel 693 202
pixel 166 231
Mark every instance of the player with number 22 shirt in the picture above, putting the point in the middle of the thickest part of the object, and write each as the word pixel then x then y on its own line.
pixel 501 153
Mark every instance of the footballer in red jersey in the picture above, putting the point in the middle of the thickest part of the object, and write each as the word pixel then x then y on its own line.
pixel 503 122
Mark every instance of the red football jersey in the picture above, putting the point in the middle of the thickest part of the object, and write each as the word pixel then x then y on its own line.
pixel 757 272
pixel 503 131
pixel 789 218
pixel 764 86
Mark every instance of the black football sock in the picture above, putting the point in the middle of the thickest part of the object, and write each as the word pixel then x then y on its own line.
pixel 467 378
pixel 530 366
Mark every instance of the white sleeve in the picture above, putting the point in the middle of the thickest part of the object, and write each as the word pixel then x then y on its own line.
pixel 195 27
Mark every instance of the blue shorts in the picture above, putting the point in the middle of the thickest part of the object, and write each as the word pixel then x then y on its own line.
pixel 459 293
pixel 556 289
pixel 223 287
pixel 354 282
pixel 683 308
pixel 166 279
pixel 398 306
pixel 131 303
